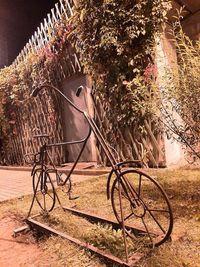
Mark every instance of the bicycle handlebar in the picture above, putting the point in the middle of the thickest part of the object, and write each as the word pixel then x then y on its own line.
pixel 38 89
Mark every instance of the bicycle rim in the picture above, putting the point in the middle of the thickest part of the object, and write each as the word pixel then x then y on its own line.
pixel 44 190
pixel 145 207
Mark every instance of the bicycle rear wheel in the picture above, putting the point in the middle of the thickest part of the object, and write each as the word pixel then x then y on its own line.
pixel 44 190
pixel 145 206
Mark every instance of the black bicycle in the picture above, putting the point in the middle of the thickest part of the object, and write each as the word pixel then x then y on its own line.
pixel 138 200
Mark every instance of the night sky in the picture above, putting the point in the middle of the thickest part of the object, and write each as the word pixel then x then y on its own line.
pixel 18 21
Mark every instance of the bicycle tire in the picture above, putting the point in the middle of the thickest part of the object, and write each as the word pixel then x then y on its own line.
pixel 44 192
pixel 147 209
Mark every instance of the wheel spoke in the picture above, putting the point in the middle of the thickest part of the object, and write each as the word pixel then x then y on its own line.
pixel 49 195
pixel 44 202
pixel 123 194
pixel 159 225
pixel 134 194
pixel 128 216
pixel 153 217
pixel 145 226
pixel 139 188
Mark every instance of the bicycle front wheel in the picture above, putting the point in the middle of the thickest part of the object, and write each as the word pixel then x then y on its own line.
pixel 145 206
pixel 44 190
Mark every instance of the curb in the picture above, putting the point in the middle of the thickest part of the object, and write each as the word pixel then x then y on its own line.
pixel 85 172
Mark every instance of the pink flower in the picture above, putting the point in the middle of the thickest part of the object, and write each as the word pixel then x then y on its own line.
pixel 150 73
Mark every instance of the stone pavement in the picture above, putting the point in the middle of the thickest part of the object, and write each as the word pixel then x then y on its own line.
pixel 16 183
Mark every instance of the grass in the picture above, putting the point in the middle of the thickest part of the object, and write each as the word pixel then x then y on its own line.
pixel 183 188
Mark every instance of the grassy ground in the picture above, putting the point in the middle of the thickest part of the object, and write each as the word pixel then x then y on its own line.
pixel 183 189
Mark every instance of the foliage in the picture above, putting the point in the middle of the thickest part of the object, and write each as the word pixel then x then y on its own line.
pixel 181 103
pixel 14 89
pixel 107 238
pixel 115 40
pixel 7 118
pixel 18 80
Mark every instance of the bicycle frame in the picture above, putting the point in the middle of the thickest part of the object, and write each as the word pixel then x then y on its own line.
pixel 44 154
pixel 92 128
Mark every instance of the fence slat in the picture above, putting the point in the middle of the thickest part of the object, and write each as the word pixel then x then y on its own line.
pixel 44 33
pixel 54 19
pixel 49 20
pixel 31 45
pixel 63 10
pixel 77 63
pixel 46 29
pixel 40 39
pixel 58 11
pixel 69 7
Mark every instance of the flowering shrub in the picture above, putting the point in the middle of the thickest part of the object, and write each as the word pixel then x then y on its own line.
pixel 115 41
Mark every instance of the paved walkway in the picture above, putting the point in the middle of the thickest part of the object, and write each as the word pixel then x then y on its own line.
pixel 15 183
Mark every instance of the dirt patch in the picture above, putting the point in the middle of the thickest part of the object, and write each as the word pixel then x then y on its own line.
pixel 21 250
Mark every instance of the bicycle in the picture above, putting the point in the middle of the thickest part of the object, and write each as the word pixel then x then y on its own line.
pixel 137 199
pixel 41 174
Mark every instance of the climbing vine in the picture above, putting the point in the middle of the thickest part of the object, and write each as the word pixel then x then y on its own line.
pixel 115 40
